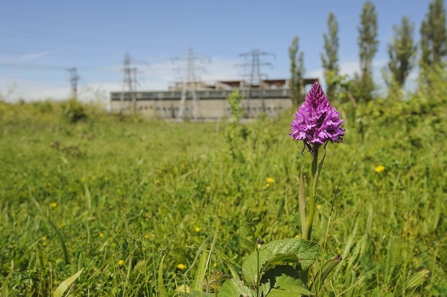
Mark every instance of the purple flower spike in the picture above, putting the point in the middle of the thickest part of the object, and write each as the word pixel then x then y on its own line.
pixel 316 121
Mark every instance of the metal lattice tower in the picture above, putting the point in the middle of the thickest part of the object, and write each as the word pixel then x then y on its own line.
pixel 127 80
pixel 190 82
pixel 74 82
pixel 256 76
pixel 130 83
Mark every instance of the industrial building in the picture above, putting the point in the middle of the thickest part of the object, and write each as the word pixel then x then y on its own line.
pixel 207 101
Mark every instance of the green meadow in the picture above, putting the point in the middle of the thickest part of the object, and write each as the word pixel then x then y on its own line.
pixel 114 195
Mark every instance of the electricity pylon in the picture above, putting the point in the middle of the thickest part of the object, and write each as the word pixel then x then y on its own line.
pixel 130 82
pixel 190 83
pixel 256 76
pixel 74 82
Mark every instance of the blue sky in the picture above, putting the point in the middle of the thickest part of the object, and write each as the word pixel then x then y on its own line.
pixel 40 39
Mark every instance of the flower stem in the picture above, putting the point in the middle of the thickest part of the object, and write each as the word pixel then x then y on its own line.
pixel 315 159
pixel 310 217
pixel 258 275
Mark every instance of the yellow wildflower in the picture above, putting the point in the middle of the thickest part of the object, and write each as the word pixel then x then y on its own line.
pixel 101 235
pixel 146 236
pixel 267 185
pixel 53 204
pixel 379 168
pixel 297 236
pixel 197 229
pixel 318 206
pixel 181 266
pixel 270 180
pixel 44 238
pixel 120 262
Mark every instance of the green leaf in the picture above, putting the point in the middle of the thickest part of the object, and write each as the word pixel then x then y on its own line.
pixel 139 266
pixel 66 283
pixel 278 271
pixel 417 279
pixel 233 272
pixel 268 280
pixel 324 272
pixel 293 250
pixel 61 240
pixel 235 288
pixel 287 286
pixel 200 273
pixel 197 294
pixel 317 174
pixel 161 285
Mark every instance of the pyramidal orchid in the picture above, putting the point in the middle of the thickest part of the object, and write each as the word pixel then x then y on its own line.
pixel 316 121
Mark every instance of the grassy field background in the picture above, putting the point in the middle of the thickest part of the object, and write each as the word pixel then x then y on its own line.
pixel 113 195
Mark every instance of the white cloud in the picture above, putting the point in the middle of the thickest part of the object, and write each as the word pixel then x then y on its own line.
pixel 158 76
pixel 13 89
pixel 26 57
pixel 33 56
pixel 316 73
pixel 350 68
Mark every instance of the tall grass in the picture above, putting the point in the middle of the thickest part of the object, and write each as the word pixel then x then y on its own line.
pixel 117 194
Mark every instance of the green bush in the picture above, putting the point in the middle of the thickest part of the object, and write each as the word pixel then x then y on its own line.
pixel 73 111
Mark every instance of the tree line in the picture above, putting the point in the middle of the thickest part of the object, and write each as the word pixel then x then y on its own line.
pixel 403 52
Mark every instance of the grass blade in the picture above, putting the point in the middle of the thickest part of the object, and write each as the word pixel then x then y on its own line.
pixel 324 272
pixel 161 285
pixel 66 283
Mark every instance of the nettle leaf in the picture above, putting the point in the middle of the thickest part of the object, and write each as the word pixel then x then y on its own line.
pixel 292 250
pixel 283 280
pixel 198 294
pixel 264 288
pixel 268 280
pixel 235 288
pixel 287 286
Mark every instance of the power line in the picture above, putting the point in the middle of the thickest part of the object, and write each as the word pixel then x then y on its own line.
pixel 46 67
pixel 255 75
pixel 101 41
pixel 32 66
pixel 190 83
pixel 54 52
